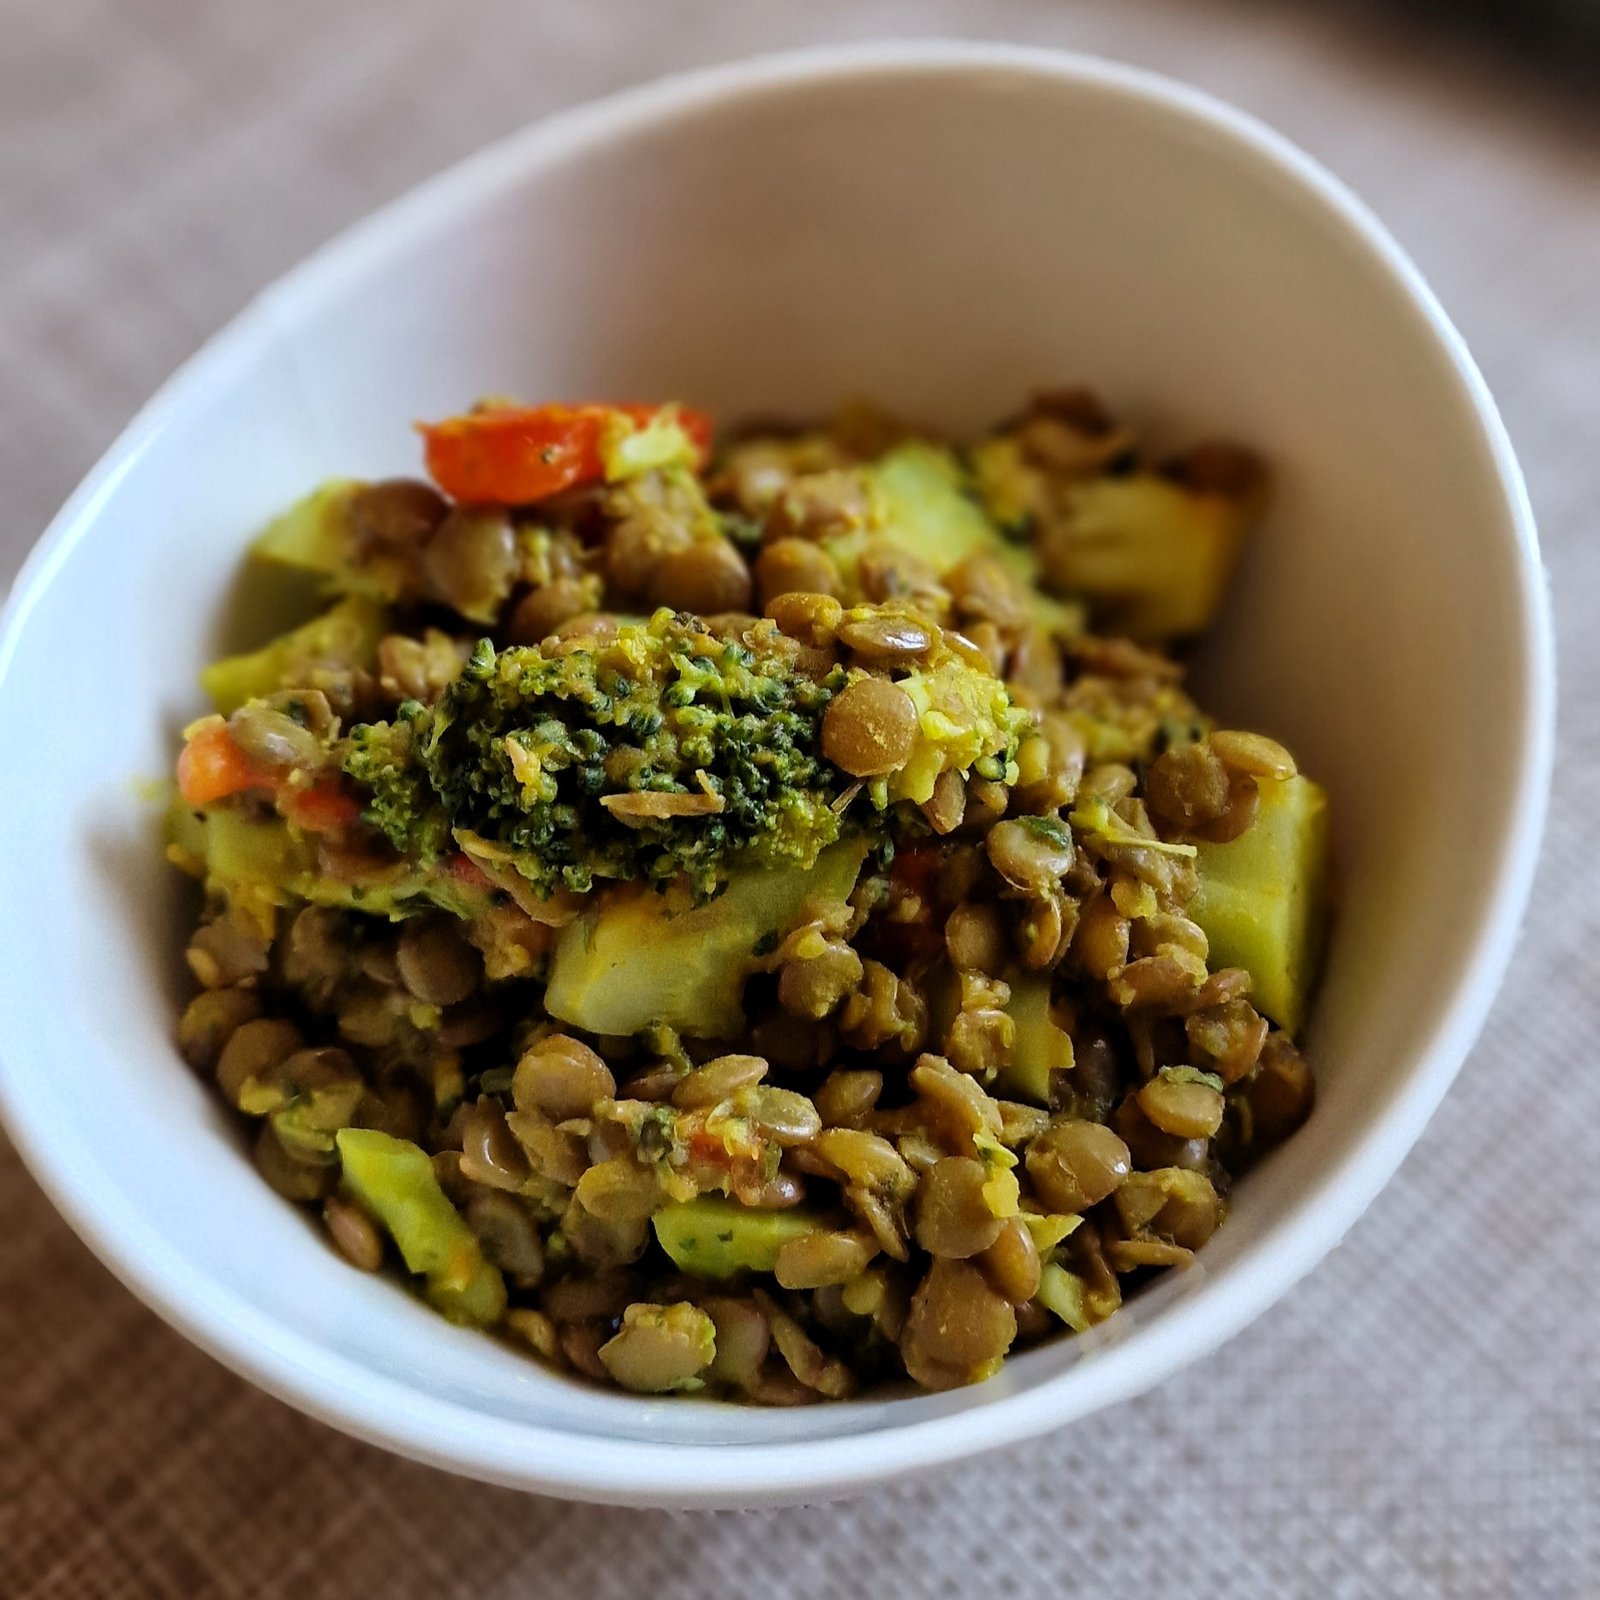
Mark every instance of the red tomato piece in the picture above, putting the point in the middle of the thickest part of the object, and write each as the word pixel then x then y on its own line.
pixel 518 454
pixel 324 808
pixel 465 870
pixel 916 869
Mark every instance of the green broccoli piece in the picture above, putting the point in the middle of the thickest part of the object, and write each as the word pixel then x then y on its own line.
pixel 664 753
pixel 401 805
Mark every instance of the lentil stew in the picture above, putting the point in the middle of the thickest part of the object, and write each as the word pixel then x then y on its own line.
pixel 761 917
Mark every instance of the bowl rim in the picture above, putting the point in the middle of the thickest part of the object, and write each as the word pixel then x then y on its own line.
pixel 550 1460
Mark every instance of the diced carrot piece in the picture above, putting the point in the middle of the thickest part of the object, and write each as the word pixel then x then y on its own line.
pixel 211 767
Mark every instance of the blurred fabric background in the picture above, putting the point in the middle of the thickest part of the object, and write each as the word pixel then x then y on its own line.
pixel 1422 1416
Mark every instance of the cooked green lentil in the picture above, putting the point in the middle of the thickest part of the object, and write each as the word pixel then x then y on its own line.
pixel 766 1006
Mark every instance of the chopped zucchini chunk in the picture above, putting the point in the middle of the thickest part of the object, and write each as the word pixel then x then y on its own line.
pixel 394 1180
pixel 328 534
pixel 261 862
pixel 715 1238
pixel 313 535
pixel 923 506
pixel 344 636
pixel 633 960
pixel 1263 898
pixel 1043 1046
pixel 1151 556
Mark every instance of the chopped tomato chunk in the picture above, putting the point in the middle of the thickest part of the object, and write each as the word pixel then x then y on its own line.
pixel 517 454
pixel 465 870
pixel 324 808
pixel 916 870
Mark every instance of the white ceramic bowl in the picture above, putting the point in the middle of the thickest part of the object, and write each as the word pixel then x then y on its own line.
pixel 942 227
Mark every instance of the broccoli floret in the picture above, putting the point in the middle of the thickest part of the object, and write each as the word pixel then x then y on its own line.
pixel 400 802
pixel 662 753
pixel 966 721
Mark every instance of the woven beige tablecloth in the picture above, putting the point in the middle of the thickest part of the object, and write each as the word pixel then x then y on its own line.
pixel 1421 1417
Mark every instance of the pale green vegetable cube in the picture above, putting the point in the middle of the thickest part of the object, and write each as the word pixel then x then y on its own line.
pixel 1151 556
pixel 346 635
pixel 632 961
pixel 920 494
pixel 1263 898
pixel 313 534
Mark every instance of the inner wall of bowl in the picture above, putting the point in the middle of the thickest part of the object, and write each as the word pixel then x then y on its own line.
pixel 942 244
